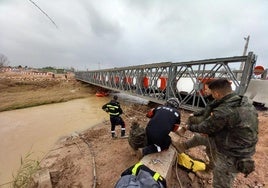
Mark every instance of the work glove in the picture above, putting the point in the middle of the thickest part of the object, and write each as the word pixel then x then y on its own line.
pixel 175 127
pixel 195 119
pixel 150 114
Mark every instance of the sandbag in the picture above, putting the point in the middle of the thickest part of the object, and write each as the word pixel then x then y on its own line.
pixel 137 136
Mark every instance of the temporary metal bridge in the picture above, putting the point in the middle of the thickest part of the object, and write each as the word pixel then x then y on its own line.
pixel 185 80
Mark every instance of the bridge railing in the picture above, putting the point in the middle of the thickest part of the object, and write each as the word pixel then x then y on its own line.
pixel 185 80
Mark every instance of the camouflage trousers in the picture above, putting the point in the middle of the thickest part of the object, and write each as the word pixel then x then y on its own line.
pixel 198 140
pixel 224 171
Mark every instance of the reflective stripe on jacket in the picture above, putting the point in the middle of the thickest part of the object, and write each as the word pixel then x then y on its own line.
pixel 113 108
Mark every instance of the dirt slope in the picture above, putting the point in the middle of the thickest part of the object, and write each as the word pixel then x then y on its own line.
pixel 92 157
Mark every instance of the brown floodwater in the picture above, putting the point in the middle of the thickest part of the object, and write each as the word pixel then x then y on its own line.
pixel 36 129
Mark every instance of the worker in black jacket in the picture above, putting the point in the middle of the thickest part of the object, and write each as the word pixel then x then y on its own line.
pixel 164 119
pixel 114 110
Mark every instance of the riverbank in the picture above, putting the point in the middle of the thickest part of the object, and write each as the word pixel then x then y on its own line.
pixel 19 91
pixel 92 157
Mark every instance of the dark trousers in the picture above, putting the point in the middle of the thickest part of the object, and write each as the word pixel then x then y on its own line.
pixel 117 120
pixel 156 144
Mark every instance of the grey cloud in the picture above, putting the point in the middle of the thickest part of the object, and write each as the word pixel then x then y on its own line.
pixel 125 32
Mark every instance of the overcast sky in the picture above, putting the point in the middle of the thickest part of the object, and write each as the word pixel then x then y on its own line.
pixel 93 34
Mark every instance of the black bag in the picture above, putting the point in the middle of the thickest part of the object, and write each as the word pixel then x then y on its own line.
pixel 245 166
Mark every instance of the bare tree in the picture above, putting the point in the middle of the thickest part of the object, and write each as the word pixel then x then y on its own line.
pixel 3 60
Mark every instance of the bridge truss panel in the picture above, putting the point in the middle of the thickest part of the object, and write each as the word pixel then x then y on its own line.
pixel 185 80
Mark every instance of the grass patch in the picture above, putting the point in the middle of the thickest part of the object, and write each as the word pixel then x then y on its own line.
pixel 27 169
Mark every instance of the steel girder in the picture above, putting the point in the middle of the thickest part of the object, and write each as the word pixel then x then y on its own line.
pixel 185 80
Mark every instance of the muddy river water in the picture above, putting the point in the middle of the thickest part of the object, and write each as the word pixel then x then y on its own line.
pixel 36 129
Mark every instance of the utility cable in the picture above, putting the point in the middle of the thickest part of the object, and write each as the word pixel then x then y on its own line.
pixel 210 150
pixel 93 160
pixel 44 13
pixel 176 170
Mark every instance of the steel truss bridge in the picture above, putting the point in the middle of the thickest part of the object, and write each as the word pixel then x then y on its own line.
pixel 158 82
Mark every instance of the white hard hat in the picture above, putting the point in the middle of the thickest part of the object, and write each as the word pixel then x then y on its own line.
pixel 174 102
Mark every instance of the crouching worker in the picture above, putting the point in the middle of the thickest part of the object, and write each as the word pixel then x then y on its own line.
pixel 164 119
pixel 140 176
pixel 114 110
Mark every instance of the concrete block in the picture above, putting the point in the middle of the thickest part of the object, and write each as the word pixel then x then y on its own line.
pixel 161 162
pixel 257 91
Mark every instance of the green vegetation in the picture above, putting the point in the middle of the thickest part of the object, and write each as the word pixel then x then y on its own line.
pixel 27 169
pixel 54 70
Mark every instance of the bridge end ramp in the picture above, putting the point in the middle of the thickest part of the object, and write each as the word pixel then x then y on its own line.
pixel 258 91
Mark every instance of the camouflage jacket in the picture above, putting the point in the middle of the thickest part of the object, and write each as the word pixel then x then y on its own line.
pixel 201 115
pixel 233 124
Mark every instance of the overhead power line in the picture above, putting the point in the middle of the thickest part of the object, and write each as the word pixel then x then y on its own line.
pixel 44 13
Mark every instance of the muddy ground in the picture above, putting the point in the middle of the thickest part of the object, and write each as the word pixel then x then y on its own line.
pixel 92 159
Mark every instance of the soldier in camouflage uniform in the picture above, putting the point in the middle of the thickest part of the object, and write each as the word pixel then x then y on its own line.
pixel 199 116
pixel 201 139
pixel 233 125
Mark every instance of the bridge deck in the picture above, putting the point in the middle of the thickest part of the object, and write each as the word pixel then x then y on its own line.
pixel 184 80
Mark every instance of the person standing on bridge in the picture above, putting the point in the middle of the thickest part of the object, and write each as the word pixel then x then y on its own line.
pixel 114 110
pixel 164 119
